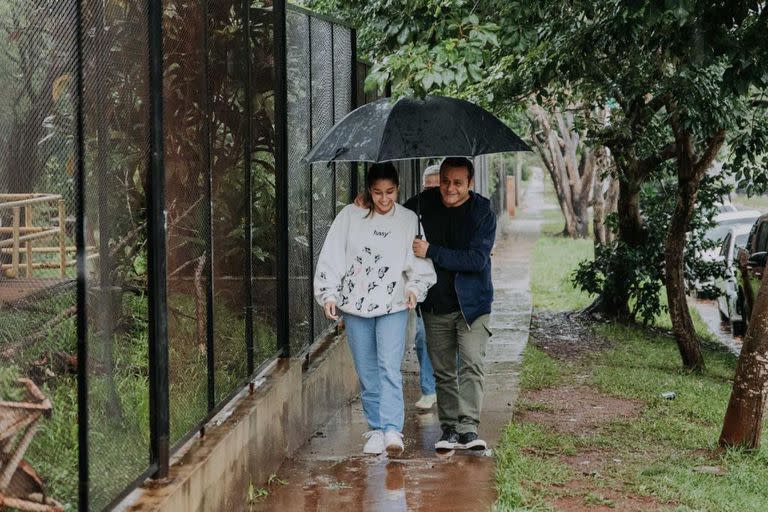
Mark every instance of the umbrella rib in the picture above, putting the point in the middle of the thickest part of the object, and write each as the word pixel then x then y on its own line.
pixel 384 130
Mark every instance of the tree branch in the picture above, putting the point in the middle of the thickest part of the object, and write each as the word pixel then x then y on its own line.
pixel 714 143
pixel 648 164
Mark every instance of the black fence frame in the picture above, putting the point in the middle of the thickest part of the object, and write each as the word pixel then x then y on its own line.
pixel 160 446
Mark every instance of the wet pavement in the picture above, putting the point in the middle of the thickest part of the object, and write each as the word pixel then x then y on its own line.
pixel 708 311
pixel 330 472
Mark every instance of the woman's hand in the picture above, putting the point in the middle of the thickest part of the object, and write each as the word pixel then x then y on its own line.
pixel 330 310
pixel 410 299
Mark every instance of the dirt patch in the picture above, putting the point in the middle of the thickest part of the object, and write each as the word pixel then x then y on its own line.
pixel 591 462
pixel 574 409
pixel 583 495
pixel 565 335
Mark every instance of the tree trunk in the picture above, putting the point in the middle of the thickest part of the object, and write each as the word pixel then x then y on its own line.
pixel 614 301
pixel 605 196
pixel 743 422
pixel 611 206
pixel 628 207
pixel 682 325
pixel 558 146
pixel 598 214
pixel 690 171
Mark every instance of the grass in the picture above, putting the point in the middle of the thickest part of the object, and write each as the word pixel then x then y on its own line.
pixel 551 268
pixel 659 449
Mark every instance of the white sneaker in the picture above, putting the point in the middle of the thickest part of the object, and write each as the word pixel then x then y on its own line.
pixel 375 443
pixel 426 401
pixel 393 440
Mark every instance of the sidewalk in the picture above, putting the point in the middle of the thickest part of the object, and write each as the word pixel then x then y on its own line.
pixel 331 473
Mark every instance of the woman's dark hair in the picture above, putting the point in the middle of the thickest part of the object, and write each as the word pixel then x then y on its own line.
pixel 376 172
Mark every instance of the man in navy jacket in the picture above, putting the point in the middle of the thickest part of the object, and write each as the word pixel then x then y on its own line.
pixel 460 230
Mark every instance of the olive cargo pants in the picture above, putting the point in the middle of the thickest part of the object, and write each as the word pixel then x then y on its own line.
pixel 459 393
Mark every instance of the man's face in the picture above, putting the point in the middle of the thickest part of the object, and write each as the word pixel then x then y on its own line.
pixel 432 181
pixel 454 186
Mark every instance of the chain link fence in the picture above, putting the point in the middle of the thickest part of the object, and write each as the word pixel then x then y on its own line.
pixel 321 81
pixel 158 229
pixel 80 316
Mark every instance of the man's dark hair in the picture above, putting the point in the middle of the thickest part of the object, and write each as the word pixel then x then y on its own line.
pixel 376 172
pixel 458 161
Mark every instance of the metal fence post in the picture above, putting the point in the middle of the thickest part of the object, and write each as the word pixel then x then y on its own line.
pixel 248 189
pixel 156 217
pixel 281 178
pixel 82 319
pixel 353 184
pixel 311 189
pixel 209 333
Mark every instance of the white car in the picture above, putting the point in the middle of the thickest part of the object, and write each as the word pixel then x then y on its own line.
pixel 724 222
pixel 727 287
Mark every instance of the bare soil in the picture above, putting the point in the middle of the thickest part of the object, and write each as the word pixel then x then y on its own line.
pixel 574 409
pixel 582 495
pixel 565 336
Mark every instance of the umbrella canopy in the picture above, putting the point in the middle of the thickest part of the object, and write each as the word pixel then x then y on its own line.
pixel 435 126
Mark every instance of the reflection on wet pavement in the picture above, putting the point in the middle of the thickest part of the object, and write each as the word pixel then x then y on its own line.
pixel 330 472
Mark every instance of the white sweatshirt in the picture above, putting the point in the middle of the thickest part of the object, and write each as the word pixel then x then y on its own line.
pixel 367 264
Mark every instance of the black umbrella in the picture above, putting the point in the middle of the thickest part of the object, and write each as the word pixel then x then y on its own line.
pixel 435 126
pixel 407 128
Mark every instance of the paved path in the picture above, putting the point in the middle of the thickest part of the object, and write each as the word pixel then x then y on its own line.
pixel 330 472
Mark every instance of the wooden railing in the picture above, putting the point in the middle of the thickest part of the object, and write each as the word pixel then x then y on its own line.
pixel 17 239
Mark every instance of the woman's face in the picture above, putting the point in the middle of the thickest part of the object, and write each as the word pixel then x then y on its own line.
pixel 384 195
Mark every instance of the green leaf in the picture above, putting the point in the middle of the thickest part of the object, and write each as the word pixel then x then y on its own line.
pixel 475 72
pixel 402 37
pixel 427 81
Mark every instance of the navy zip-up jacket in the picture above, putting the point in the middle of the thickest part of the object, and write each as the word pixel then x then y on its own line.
pixel 471 258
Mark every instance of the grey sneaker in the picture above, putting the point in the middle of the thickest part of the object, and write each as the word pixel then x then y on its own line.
pixel 470 441
pixel 426 402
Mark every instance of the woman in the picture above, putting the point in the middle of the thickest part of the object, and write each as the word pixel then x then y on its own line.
pixel 367 270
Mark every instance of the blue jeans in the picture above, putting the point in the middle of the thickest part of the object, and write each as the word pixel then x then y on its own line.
pixel 426 373
pixel 377 346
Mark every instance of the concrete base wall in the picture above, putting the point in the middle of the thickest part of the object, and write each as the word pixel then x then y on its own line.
pixel 248 441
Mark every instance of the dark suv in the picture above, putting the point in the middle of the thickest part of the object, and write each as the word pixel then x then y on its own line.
pixel 752 259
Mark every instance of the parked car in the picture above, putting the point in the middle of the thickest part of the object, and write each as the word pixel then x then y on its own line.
pixel 751 263
pixel 724 222
pixel 728 301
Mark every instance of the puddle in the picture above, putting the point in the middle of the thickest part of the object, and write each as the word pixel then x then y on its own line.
pixel 708 311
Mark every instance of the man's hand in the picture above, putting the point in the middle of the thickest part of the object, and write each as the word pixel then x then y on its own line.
pixel 410 299
pixel 420 248
pixel 359 201
pixel 330 310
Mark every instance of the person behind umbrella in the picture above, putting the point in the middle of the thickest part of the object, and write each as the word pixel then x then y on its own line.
pixel 430 179
pixel 460 228
pixel 368 272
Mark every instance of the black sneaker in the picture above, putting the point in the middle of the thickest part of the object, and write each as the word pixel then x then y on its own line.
pixel 448 440
pixel 470 441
